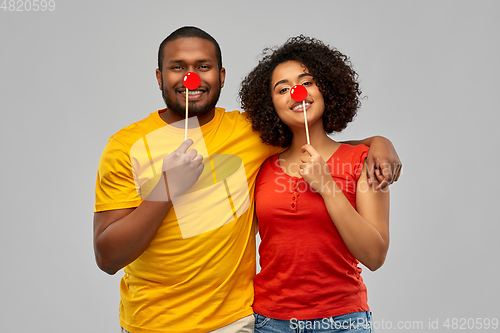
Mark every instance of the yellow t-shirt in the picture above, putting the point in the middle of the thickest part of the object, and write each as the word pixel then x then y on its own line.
pixel 196 275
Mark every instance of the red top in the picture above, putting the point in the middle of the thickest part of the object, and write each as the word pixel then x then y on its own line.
pixel 307 271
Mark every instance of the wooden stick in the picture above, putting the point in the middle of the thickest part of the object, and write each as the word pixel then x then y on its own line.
pixel 187 115
pixel 305 119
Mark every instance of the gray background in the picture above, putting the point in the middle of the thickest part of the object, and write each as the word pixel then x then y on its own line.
pixel 72 77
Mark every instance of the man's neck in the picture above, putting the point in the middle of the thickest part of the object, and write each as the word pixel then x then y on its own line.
pixel 170 117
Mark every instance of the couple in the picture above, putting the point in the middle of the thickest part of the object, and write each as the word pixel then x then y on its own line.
pixel 180 280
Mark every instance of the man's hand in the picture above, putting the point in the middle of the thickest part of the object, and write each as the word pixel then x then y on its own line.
pixel 180 170
pixel 382 162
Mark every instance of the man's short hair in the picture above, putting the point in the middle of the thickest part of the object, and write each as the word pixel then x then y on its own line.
pixel 186 32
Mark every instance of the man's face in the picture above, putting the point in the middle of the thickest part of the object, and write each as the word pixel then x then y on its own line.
pixel 185 55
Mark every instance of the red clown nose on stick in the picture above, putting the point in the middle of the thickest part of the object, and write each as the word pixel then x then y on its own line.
pixel 191 81
pixel 299 94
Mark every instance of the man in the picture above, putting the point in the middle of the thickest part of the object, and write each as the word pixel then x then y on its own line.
pixel 188 251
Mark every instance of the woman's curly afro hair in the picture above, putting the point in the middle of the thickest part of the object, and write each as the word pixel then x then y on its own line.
pixel 334 77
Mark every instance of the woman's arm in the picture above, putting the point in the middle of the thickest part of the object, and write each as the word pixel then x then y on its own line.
pixel 365 231
pixel 383 163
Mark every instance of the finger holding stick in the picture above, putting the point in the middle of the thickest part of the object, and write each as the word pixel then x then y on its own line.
pixel 315 171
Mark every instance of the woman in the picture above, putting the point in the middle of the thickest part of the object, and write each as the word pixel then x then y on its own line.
pixel 318 216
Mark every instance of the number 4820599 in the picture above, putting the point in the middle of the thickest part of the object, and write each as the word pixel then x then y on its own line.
pixel 471 323
pixel 28 5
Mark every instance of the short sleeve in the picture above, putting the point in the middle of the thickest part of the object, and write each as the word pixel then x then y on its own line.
pixel 115 186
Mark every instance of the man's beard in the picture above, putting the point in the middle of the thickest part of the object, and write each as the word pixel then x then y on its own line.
pixel 193 109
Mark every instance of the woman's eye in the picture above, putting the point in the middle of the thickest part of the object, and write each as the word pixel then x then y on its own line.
pixel 306 83
pixel 284 90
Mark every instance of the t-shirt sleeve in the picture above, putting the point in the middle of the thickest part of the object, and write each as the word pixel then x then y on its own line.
pixel 271 150
pixel 115 186
pixel 358 159
pixel 274 150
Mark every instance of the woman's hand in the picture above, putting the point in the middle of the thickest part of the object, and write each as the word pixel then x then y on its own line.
pixel 315 171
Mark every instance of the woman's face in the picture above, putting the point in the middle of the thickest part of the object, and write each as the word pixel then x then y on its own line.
pixel 284 77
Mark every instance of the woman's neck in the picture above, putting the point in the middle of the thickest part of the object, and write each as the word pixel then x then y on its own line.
pixel 318 138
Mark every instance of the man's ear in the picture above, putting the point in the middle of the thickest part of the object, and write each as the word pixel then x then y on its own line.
pixel 159 78
pixel 222 75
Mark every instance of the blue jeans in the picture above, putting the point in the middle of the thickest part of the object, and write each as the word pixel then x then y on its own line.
pixel 351 322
